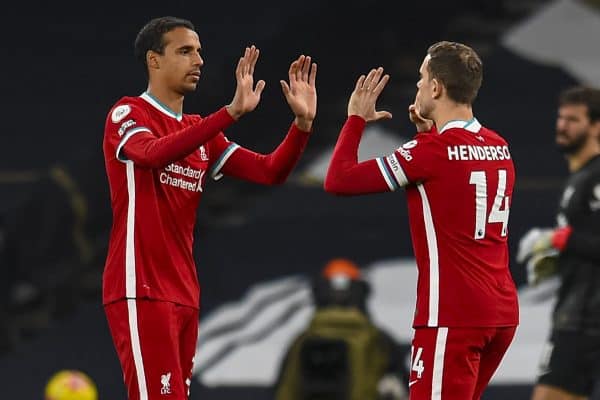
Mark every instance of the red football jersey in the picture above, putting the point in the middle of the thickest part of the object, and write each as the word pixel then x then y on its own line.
pixel 154 209
pixel 459 185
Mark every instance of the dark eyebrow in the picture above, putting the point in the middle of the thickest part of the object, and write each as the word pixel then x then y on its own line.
pixel 187 47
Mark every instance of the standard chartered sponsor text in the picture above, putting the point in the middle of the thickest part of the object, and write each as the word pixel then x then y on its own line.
pixel 186 171
pixel 167 177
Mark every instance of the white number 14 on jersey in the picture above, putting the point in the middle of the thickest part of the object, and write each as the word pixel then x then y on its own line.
pixel 478 178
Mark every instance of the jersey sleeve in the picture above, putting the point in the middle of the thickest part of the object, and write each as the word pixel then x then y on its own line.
pixel 220 149
pixel 123 122
pixel 413 162
pixel 150 150
pixel 345 175
pixel 266 169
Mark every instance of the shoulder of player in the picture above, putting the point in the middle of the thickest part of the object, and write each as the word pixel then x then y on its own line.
pixel 588 177
pixel 493 134
pixel 425 137
pixel 594 166
pixel 489 136
pixel 124 106
pixel 125 114
pixel 424 140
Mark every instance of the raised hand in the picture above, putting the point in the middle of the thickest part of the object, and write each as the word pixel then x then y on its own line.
pixel 246 96
pixel 301 93
pixel 365 94
pixel 422 124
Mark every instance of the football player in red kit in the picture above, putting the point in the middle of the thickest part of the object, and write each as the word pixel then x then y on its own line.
pixel 458 177
pixel 157 160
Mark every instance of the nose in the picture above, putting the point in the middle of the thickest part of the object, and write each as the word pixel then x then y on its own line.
pixel 198 60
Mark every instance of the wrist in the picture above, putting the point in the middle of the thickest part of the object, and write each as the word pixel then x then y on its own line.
pixel 303 124
pixel 356 115
pixel 560 237
pixel 233 112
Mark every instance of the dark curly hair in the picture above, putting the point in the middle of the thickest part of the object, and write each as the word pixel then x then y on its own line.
pixel 150 37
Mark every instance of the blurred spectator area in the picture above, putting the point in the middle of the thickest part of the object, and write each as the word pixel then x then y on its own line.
pixel 48 258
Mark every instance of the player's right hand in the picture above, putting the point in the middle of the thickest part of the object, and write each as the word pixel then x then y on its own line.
pixel 365 94
pixel 246 96
pixel 422 124
pixel 301 92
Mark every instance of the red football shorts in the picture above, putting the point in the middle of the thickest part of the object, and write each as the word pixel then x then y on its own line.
pixel 156 343
pixel 455 363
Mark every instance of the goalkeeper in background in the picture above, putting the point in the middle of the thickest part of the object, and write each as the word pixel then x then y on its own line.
pixel 570 362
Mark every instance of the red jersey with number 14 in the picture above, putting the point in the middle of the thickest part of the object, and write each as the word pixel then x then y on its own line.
pixel 459 185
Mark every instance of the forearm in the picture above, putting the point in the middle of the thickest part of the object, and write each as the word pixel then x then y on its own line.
pixel 149 151
pixel 273 168
pixel 345 175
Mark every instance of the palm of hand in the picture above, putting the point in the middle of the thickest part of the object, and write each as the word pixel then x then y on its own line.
pixel 250 97
pixel 303 99
pixel 364 97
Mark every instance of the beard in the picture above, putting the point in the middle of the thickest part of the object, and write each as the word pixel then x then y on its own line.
pixel 574 145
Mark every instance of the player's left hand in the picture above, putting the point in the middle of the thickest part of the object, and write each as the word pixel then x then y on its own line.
pixel 365 94
pixel 301 92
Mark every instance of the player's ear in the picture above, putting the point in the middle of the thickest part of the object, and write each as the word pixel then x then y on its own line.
pixel 436 88
pixel 152 59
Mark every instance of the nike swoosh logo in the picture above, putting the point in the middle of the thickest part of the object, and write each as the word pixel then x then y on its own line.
pixel 412 383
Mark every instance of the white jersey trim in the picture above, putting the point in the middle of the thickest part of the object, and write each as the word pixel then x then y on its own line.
pixel 130 278
pixel 136 348
pixel 130 283
pixel 471 125
pixel 438 364
pixel 387 176
pixel 154 102
pixel 215 170
pixel 434 267
pixel 126 137
pixel 397 170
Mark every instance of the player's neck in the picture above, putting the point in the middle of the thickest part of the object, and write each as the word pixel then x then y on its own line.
pixel 172 100
pixel 452 112
pixel 578 160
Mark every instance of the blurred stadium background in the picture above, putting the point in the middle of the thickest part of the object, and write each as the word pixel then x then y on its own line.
pixel 66 64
